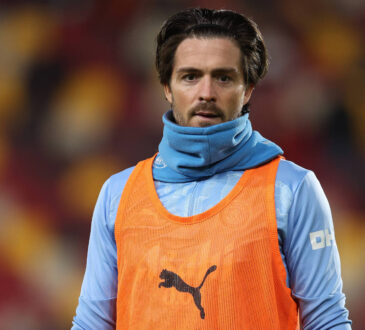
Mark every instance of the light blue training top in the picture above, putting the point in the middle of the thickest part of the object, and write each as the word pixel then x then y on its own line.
pixel 303 214
pixel 305 228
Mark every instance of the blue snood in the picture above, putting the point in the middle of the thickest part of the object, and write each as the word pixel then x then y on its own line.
pixel 193 153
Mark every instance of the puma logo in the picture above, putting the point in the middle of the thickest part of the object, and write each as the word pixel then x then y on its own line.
pixel 171 279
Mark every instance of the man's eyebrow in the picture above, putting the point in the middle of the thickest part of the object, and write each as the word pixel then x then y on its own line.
pixel 214 71
pixel 187 69
pixel 226 71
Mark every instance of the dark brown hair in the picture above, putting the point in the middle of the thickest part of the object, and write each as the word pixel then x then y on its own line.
pixel 207 23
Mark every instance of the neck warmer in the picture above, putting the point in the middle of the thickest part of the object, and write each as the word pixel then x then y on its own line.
pixel 194 153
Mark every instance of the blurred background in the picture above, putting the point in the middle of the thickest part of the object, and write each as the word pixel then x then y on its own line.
pixel 80 100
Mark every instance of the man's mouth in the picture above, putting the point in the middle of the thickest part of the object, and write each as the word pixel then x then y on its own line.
pixel 205 113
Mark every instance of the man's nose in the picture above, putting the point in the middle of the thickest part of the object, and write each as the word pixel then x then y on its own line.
pixel 207 90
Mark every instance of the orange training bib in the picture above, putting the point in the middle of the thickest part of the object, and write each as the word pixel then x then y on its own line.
pixel 220 269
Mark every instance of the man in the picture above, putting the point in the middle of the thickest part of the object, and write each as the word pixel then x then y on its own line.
pixel 217 231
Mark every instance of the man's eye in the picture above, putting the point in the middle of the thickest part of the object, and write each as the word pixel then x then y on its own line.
pixel 189 77
pixel 224 78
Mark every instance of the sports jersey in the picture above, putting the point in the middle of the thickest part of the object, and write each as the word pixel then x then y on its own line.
pixel 236 240
pixel 305 235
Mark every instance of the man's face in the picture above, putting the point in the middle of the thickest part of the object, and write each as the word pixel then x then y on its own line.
pixel 207 85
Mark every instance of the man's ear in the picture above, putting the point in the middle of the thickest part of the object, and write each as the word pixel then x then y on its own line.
pixel 168 94
pixel 248 93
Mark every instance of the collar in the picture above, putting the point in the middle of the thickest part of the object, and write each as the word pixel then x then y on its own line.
pixel 193 153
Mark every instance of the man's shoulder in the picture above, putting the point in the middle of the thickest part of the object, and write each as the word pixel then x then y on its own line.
pixel 116 182
pixel 121 175
pixel 291 174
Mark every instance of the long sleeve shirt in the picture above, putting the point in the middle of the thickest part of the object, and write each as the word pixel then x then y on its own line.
pixel 305 233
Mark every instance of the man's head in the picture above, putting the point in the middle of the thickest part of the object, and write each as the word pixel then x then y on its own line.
pixel 208 62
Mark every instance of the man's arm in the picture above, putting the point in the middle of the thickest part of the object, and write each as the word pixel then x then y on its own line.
pixel 97 302
pixel 312 259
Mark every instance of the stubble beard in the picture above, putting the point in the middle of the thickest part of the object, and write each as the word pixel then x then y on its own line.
pixel 180 120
